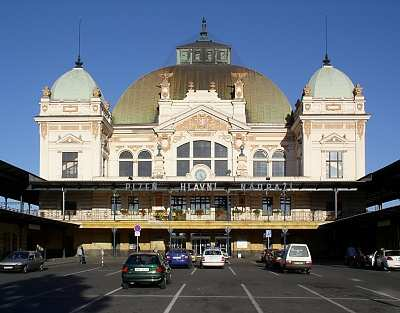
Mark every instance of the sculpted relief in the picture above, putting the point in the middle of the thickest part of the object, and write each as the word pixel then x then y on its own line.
pixel 202 121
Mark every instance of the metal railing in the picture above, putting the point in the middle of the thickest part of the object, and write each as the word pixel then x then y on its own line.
pixel 15 206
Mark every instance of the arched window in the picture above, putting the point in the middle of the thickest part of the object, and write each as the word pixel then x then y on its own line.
pixel 260 164
pixel 125 164
pixel 278 163
pixel 213 155
pixel 144 164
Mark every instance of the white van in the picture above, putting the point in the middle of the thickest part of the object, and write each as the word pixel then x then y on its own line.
pixel 296 257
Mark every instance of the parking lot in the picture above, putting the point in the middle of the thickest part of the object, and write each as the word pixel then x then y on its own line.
pixel 242 286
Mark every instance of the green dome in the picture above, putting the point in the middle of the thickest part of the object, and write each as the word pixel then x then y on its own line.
pixel 265 101
pixel 329 82
pixel 76 84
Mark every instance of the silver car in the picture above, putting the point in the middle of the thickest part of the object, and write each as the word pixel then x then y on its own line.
pixel 23 261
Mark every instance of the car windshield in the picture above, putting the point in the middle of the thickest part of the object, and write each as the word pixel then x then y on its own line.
pixel 19 255
pixel 212 252
pixel 298 251
pixel 178 251
pixel 143 259
pixel 392 253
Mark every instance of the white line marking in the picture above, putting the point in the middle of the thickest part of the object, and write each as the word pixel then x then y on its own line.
pixel 276 274
pixel 95 300
pixel 171 304
pixel 233 272
pixel 315 274
pixel 113 273
pixel 327 299
pixel 379 293
pixel 253 301
pixel 90 269
pixel 195 269
pixel 355 279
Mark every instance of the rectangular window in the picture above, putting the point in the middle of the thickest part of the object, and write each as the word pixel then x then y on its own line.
pixel 70 165
pixel 197 55
pixel 286 205
pixel 260 168
pixel 125 168
pixel 209 55
pixel 220 151
pixel 221 167
pixel 278 168
pixel 144 168
pixel 199 204
pixel 116 203
pixel 182 167
pixel 133 204
pixel 334 164
pixel 183 151
pixel 178 203
pixel 220 202
pixel 267 206
pixel 202 149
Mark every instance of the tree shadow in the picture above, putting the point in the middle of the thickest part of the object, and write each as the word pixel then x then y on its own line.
pixel 48 293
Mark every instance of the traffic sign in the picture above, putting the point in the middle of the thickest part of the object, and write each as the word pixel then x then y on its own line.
pixel 137 228
pixel 268 233
pixel 137 233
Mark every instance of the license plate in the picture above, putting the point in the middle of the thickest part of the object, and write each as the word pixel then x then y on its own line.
pixel 298 263
pixel 8 267
pixel 176 257
pixel 141 269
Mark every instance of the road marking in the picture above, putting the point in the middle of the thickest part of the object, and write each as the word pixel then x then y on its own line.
pixel 195 269
pixel 90 269
pixel 273 273
pixel 113 273
pixel 315 274
pixel 252 300
pixel 233 272
pixel 378 292
pixel 355 279
pixel 95 300
pixel 171 304
pixel 327 299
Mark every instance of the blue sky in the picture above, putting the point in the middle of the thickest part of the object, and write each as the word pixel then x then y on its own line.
pixel 123 40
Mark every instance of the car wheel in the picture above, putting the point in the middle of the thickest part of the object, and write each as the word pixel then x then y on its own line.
pixel 169 278
pixel 163 283
pixel 125 285
pixel 25 269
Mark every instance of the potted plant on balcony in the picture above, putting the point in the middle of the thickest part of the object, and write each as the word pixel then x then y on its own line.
pixel 179 215
pixel 159 215
pixel 219 212
pixel 142 212
pixel 199 212
pixel 257 213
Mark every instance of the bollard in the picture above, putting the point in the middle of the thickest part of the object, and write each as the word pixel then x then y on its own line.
pixel 102 257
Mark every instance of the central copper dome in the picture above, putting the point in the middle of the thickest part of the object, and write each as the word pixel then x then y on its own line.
pixel 265 102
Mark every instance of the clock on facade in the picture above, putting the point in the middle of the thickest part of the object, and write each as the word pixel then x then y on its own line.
pixel 200 174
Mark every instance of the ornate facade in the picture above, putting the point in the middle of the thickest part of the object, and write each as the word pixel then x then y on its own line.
pixel 212 141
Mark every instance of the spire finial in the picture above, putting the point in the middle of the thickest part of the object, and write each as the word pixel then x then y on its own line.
pixel 78 62
pixel 203 33
pixel 326 60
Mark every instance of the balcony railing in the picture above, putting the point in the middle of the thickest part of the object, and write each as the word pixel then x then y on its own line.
pixel 244 214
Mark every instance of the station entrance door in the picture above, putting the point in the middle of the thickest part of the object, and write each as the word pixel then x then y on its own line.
pixel 200 243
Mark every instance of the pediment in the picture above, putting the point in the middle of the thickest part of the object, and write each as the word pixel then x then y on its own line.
pixel 333 138
pixel 201 118
pixel 69 139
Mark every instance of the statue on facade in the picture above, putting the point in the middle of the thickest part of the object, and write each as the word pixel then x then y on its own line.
pixel 307 91
pixel 358 91
pixel 239 84
pixel 46 92
pixel 165 84
pixel 96 92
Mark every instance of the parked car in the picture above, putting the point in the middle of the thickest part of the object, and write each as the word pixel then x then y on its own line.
pixel 387 259
pixel 273 258
pixel 179 257
pixel 24 261
pixel 212 257
pixel 296 257
pixel 264 255
pixel 355 257
pixel 145 268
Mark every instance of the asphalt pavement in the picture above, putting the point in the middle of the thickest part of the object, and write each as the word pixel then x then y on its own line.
pixel 242 286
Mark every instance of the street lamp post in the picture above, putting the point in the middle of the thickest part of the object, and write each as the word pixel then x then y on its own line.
pixel 227 231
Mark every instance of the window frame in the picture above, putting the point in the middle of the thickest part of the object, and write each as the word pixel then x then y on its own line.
pixel 145 161
pixel 72 170
pixel 330 163
pixel 257 160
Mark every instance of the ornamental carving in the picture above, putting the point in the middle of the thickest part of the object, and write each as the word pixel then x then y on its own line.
pixel 360 128
pixel 165 84
pixel 44 107
pixel 96 92
pixel 96 128
pixel 360 106
pixel 239 84
pixel 241 169
pixel 212 86
pixel 190 85
pixel 43 129
pixel 164 141
pixel 202 121
pixel 358 91
pixel 307 128
pixel 307 91
pixel 46 92
pixel 239 140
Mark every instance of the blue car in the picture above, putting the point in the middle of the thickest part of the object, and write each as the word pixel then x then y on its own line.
pixel 179 258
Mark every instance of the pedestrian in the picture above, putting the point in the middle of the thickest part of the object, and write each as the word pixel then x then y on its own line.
pixel 40 250
pixel 81 254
